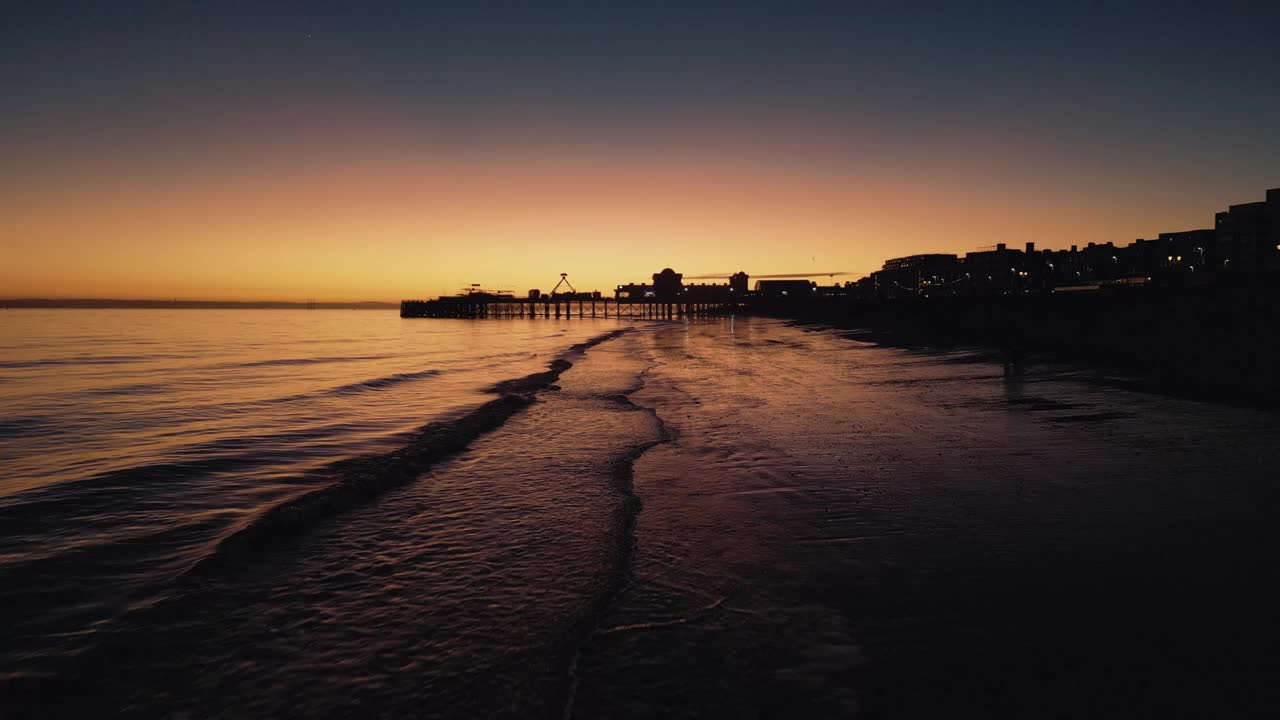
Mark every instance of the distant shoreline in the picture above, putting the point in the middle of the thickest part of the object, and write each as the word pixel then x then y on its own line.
pixel 110 304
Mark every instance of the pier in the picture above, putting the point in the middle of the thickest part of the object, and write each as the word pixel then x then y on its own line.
pixel 666 299
pixel 484 305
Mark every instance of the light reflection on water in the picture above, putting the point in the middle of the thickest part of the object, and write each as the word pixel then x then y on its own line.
pixel 132 441
pixel 826 526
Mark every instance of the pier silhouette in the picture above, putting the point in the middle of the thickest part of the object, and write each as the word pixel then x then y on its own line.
pixel 667 299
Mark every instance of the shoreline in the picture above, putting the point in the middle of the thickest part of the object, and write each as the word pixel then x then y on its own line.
pixel 1134 377
pixel 1200 348
pixel 622 472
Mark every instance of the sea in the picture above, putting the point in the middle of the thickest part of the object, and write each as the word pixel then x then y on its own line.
pixel 327 513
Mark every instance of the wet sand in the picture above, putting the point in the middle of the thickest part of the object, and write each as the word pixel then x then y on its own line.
pixel 839 526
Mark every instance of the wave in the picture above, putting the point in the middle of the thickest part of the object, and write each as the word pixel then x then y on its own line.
pixel 348 484
pixel 16 427
pixel 31 510
pixel 63 572
pixel 359 480
pixel 382 382
pixel 126 390
pixel 301 361
pixel 354 388
pixel 90 360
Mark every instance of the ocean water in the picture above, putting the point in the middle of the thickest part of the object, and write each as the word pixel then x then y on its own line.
pixel 134 442
pixel 237 515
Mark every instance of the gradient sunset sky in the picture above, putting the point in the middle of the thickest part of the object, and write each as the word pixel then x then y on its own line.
pixel 381 151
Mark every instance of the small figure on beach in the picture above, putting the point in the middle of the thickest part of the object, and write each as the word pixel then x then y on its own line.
pixel 1014 352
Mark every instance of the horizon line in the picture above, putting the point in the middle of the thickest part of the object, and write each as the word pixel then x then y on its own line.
pixel 175 302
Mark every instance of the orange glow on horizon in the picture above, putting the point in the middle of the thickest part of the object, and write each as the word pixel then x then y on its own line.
pixel 344 218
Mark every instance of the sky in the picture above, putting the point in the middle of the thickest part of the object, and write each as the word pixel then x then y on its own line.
pixel 380 151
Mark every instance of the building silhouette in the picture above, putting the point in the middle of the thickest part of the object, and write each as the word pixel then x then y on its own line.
pixel 667 285
pixel 785 289
pixel 1243 246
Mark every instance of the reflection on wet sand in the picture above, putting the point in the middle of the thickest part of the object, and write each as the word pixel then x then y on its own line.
pixel 839 525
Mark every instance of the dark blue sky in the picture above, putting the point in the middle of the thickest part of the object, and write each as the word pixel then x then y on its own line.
pixel 1158 67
